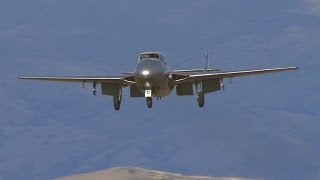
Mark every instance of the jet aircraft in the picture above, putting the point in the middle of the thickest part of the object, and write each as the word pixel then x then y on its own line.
pixel 153 78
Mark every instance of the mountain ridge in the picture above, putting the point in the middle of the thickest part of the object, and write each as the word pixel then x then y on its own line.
pixel 135 173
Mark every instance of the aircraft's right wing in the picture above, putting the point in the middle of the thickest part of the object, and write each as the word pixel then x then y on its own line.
pixel 122 79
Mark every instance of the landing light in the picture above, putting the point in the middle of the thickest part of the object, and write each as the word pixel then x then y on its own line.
pixel 145 72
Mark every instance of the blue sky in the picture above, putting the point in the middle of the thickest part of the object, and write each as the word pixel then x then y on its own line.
pixel 261 126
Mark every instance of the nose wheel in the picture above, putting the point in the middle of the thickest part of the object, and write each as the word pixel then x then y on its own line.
pixel 149 102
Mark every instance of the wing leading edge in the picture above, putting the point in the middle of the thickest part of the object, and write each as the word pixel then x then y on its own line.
pixel 82 79
pixel 230 74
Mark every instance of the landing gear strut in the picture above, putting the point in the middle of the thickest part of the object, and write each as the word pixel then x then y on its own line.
pixel 149 102
pixel 117 101
pixel 199 94
pixel 200 99
pixel 94 88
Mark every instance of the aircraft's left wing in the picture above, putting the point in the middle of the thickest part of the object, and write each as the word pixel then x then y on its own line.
pixel 194 76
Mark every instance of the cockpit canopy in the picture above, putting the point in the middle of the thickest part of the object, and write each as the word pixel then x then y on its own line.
pixel 149 56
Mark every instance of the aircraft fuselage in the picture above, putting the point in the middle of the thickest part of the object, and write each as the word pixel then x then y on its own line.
pixel 149 74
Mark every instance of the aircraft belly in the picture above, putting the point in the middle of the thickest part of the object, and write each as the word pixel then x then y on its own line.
pixel 165 90
pixel 159 86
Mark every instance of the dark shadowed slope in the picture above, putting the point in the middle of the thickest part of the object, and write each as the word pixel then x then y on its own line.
pixel 135 173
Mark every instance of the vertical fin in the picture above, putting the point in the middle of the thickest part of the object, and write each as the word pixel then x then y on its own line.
pixel 207 62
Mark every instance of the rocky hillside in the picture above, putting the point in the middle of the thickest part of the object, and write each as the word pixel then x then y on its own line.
pixel 136 173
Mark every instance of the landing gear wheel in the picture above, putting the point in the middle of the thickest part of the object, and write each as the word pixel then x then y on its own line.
pixel 200 99
pixel 149 102
pixel 116 103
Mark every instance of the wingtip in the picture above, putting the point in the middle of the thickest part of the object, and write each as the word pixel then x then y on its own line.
pixel 293 68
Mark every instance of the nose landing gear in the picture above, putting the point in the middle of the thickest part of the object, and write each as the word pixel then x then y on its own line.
pixel 149 102
pixel 148 95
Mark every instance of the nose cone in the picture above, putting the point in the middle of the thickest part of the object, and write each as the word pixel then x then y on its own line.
pixel 145 72
pixel 147 68
pixel 148 73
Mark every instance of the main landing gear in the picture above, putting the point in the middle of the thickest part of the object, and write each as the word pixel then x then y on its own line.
pixel 199 94
pixel 117 101
pixel 200 99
